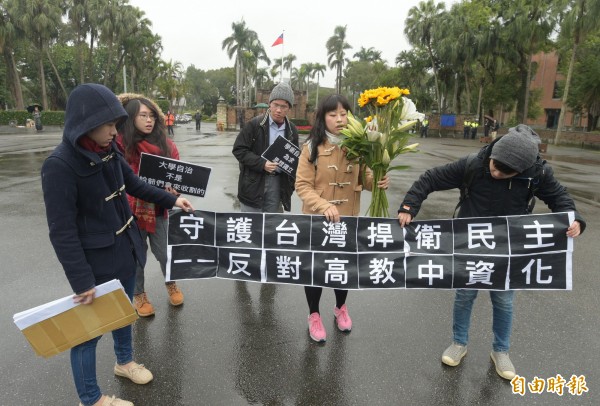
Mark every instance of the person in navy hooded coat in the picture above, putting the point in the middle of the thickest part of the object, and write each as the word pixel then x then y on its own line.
pixel 85 183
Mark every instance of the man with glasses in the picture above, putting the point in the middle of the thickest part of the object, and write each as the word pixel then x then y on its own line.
pixel 262 187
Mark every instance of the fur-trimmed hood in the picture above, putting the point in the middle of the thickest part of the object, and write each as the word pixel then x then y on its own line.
pixel 125 98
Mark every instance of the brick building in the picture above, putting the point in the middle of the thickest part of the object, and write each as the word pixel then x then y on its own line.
pixel 547 78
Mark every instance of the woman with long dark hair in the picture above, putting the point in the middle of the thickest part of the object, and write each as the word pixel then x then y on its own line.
pixel 145 131
pixel 329 184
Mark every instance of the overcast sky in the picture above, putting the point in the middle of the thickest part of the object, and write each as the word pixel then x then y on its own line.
pixel 192 31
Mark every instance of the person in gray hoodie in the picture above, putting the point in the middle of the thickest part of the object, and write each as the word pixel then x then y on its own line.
pixel 85 182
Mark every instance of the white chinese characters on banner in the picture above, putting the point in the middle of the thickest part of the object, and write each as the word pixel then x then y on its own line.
pixel 493 253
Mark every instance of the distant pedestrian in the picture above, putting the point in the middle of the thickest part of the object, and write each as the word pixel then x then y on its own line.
pixel 170 122
pixel 487 125
pixel 466 129
pixel 92 228
pixel 424 127
pixel 37 118
pixel 474 125
pixel 198 118
pixel 495 127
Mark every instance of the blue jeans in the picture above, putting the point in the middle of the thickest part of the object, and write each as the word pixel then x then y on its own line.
pixel 83 357
pixel 502 310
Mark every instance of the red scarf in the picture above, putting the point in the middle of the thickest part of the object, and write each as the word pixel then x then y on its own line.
pixel 144 212
pixel 87 143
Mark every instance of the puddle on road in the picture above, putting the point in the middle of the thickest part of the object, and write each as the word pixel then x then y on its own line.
pixel 22 163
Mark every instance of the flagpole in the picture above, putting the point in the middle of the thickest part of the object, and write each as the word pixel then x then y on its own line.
pixel 282 46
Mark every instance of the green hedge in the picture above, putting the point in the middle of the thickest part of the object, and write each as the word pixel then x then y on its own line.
pixel 299 121
pixel 20 117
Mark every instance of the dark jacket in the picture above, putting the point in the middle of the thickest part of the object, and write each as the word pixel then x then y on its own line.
pixel 93 234
pixel 249 145
pixel 488 196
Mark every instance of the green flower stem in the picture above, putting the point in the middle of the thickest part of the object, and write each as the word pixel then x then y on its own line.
pixel 379 203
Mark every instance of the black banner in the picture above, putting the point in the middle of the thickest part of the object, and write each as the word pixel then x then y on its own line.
pixel 285 154
pixel 489 253
pixel 184 177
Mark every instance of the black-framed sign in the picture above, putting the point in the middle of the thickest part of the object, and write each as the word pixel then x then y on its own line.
pixel 484 253
pixel 285 154
pixel 185 177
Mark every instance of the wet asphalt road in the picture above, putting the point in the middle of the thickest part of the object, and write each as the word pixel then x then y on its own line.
pixel 235 343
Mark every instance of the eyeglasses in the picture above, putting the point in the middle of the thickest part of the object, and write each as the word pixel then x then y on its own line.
pixel 282 107
pixel 145 117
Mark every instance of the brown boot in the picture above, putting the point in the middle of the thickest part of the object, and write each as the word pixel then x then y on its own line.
pixel 175 295
pixel 142 305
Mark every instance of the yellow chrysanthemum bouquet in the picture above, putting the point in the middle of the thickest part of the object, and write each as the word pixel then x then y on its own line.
pixel 381 137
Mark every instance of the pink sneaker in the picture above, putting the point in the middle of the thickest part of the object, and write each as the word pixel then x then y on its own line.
pixel 316 328
pixel 342 318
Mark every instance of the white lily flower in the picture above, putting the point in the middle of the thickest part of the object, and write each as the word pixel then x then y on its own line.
pixel 372 125
pixel 373 135
pixel 385 159
pixel 406 124
pixel 383 139
pixel 409 110
pixel 411 147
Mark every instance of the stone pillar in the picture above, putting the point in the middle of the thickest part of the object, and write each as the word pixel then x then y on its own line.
pixel 221 114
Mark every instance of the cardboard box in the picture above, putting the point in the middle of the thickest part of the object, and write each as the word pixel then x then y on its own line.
pixel 59 332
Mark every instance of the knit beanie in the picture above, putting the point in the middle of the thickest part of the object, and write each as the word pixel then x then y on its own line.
pixel 518 149
pixel 282 91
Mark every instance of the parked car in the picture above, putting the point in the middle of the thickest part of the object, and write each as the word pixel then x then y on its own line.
pixel 183 118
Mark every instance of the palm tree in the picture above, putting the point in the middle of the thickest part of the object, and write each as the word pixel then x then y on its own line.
pixel 421 25
pixel 39 20
pixel 368 55
pixel 336 57
pixel 256 52
pixel 528 24
pixel 288 61
pixel 236 44
pixel 581 19
pixel 170 80
pixel 140 47
pixel 261 76
pixel 77 14
pixel 307 68
pixel 8 38
pixel 318 69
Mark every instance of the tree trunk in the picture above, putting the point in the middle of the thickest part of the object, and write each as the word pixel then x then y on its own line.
pixel 60 83
pixel 435 77
pixel 91 56
pixel 479 98
pixel 563 107
pixel 43 78
pixel 317 100
pixel 455 95
pixel 13 78
pixel 468 92
pixel 108 62
pixel 133 78
pixel 527 84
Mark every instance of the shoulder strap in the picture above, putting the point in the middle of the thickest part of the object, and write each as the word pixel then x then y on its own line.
pixel 535 185
pixel 467 179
